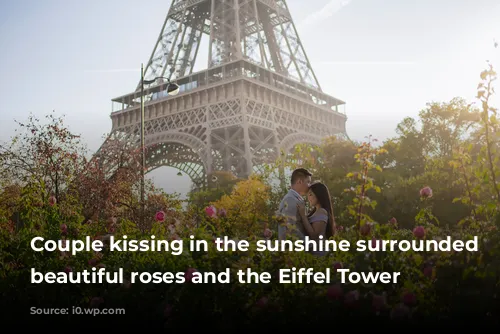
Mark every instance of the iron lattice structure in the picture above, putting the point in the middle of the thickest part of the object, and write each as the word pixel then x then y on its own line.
pixel 257 96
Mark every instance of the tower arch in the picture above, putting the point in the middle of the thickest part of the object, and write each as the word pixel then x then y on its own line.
pixel 290 141
pixel 180 150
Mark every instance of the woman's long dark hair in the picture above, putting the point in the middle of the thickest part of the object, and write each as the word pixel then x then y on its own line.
pixel 323 195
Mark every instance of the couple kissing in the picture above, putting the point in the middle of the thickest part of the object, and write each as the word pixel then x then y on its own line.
pixel 319 221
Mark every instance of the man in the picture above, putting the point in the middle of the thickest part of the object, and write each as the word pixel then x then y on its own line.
pixel 301 178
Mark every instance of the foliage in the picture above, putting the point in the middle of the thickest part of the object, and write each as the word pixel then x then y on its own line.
pixel 45 156
pixel 219 183
pixel 366 158
pixel 246 208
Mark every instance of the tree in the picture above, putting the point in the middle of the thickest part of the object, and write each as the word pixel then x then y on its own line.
pixel 44 157
pixel 408 150
pixel 108 182
pixel 220 183
pixel 446 125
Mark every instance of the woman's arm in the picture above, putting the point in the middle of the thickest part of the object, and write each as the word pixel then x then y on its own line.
pixel 318 228
pixel 315 229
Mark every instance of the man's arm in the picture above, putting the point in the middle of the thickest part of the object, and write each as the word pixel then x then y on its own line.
pixel 290 209
pixel 289 212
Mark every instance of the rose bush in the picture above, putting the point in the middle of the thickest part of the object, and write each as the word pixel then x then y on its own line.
pixel 432 284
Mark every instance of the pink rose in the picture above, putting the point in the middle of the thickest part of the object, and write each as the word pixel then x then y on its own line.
pixel 419 232
pixel 52 200
pixel 375 243
pixel 365 229
pixel 160 216
pixel 211 211
pixel 409 299
pixel 337 266
pixel 426 192
pixel 428 271
pixel 335 292
pixel 189 274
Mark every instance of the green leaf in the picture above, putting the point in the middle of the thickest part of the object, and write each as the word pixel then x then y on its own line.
pixel 491 206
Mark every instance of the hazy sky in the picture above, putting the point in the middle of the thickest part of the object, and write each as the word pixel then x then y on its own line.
pixel 385 58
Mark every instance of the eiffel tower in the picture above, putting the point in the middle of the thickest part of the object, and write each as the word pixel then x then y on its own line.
pixel 257 96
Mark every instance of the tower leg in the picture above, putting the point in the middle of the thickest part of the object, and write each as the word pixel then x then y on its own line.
pixel 248 153
pixel 227 153
pixel 281 170
pixel 209 153
pixel 248 167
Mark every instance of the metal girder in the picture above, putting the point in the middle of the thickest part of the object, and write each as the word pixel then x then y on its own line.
pixel 257 96
pixel 179 156
pixel 261 31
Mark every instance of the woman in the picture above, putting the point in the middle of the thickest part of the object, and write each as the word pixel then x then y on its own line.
pixel 320 220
